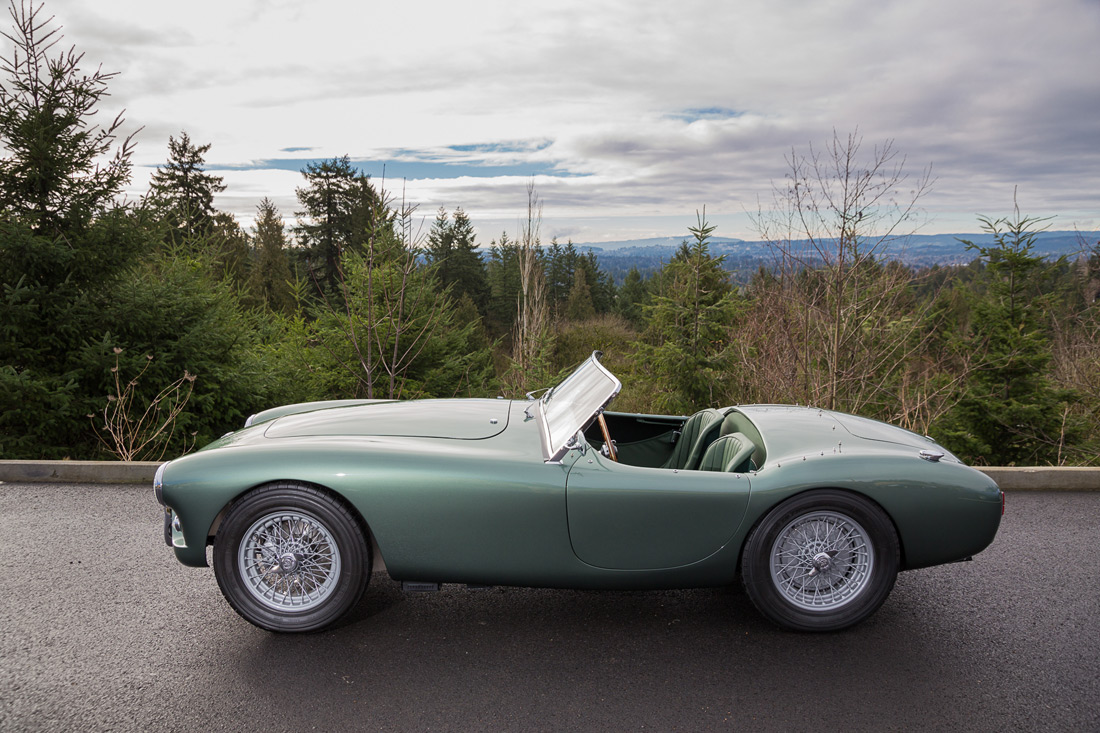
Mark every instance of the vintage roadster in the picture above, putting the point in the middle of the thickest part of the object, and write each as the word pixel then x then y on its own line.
pixel 817 511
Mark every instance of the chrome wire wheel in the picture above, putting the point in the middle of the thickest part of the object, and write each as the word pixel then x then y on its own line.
pixel 289 561
pixel 291 557
pixel 822 560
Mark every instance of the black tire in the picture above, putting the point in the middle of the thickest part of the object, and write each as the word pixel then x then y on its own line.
pixel 821 561
pixel 291 558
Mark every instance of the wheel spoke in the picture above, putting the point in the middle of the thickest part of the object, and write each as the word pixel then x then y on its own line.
pixel 821 560
pixel 304 579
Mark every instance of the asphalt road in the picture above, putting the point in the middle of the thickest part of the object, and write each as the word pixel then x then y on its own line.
pixel 100 629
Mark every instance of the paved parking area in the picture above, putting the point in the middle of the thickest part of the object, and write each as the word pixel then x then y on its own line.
pixel 103 630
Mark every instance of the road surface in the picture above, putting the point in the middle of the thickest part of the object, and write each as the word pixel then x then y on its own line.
pixel 101 629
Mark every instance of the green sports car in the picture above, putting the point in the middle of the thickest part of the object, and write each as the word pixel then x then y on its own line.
pixel 816 510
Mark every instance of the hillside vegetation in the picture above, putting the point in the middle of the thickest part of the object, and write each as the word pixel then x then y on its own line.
pixel 141 329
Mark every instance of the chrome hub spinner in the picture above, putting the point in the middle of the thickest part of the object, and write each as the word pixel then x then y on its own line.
pixel 822 561
pixel 288 562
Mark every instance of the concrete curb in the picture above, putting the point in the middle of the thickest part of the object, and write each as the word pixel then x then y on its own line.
pixel 82 472
pixel 1050 478
pixel 1022 478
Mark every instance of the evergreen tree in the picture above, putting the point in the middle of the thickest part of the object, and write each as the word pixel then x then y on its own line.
pixel 175 308
pixel 560 263
pixel 452 250
pixel 342 211
pixel 600 283
pixel 62 245
pixel 229 247
pixel 59 170
pixel 183 193
pixel 579 305
pixel 684 349
pixel 396 335
pixel 504 284
pixel 271 277
pixel 1010 412
pixel 440 245
pixel 372 218
pixel 324 227
pixel 632 297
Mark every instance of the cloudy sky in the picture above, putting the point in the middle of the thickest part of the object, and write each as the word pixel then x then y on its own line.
pixel 628 116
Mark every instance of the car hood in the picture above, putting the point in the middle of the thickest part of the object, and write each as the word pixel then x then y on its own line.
pixel 472 419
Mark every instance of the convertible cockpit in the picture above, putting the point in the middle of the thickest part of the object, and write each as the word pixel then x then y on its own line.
pixel 709 440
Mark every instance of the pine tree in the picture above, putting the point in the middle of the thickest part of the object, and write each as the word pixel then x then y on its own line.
pixel 600 283
pixel 228 244
pixel 560 263
pixel 632 297
pixel 271 273
pixel 183 192
pixel 452 250
pixel 440 246
pixel 59 170
pixel 1010 413
pixel 469 275
pixel 342 211
pixel 504 284
pixel 63 245
pixel 578 307
pixel 684 349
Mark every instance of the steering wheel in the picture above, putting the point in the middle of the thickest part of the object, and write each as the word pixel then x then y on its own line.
pixel 611 452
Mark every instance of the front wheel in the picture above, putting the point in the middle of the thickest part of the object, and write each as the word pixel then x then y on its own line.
pixel 289 557
pixel 821 561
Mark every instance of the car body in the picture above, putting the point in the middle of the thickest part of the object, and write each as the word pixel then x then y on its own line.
pixel 815 510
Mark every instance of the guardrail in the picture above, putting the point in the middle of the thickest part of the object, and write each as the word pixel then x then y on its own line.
pixel 1015 478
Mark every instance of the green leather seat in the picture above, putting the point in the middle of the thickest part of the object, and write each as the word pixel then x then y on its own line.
pixel 695 435
pixel 730 452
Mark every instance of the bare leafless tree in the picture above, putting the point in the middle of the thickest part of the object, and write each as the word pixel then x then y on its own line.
pixel 133 430
pixel 1076 348
pixel 837 324
pixel 531 333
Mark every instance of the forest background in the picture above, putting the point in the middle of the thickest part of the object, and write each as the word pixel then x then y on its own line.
pixel 142 329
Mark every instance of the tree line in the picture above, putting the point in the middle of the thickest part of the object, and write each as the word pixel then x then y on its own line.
pixel 144 328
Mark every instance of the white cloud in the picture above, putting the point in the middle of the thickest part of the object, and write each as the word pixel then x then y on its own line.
pixel 993 94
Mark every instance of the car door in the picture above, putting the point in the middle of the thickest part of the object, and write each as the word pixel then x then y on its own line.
pixel 625 517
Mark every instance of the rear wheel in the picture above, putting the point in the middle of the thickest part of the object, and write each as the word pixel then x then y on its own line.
pixel 289 557
pixel 822 561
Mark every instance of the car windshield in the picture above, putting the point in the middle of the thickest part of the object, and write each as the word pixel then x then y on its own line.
pixel 574 403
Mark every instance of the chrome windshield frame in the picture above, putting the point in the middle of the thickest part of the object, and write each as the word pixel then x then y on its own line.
pixel 559 430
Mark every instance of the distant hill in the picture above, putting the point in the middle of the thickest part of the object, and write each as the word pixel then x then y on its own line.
pixel 632 244
pixel 744 257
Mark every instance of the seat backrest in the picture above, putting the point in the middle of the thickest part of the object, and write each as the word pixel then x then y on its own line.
pixel 695 435
pixel 728 453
